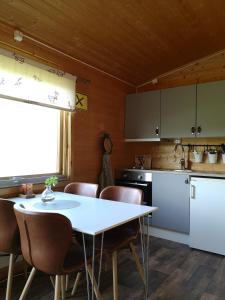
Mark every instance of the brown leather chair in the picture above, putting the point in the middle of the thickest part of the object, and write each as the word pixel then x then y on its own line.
pixel 9 239
pixel 125 235
pixel 82 188
pixel 46 243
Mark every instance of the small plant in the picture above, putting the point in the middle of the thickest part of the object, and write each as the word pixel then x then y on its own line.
pixel 222 148
pixel 51 181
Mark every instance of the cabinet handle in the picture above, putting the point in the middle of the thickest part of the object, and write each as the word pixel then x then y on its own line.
pixel 186 181
pixel 193 130
pixel 192 191
pixel 199 130
pixel 157 130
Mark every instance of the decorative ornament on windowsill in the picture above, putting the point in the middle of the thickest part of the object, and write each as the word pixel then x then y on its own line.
pixel 48 194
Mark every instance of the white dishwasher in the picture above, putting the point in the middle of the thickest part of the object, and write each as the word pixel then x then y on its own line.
pixel 207 214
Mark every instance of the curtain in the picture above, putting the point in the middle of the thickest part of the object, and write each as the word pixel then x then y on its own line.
pixel 25 80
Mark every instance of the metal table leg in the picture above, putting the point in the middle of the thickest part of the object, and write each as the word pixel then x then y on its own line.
pixel 86 265
pixel 145 253
pixel 148 254
pixel 93 265
pixel 142 249
pixel 100 260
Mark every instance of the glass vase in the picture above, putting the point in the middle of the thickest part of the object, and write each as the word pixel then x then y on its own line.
pixel 47 194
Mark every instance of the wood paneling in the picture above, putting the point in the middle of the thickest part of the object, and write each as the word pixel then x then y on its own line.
pixel 164 157
pixel 105 113
pixel 205 70
pixel 133 40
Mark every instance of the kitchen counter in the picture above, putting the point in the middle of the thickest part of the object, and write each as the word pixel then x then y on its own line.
pixel 188 172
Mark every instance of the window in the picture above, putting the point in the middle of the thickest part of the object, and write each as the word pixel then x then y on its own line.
pixel 30 138
pixel 36 102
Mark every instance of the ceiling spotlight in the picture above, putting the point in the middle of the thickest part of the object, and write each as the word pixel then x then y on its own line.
pixel 18 36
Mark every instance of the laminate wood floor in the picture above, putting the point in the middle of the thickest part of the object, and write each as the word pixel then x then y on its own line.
pixel 176 273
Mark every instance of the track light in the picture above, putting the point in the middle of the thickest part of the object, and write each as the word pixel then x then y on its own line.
pixel 155 81
pixel 18 36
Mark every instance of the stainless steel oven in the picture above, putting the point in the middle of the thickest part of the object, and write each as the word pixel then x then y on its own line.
pixel 141 179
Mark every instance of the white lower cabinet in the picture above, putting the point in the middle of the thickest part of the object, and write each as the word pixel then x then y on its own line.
pixel 207 214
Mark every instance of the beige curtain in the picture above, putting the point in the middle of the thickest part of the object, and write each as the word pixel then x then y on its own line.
pixel 25 80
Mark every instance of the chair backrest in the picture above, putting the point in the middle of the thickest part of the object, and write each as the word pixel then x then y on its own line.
pixel 45 239
pixel 9 231
pixel 122 194
pixel 82 188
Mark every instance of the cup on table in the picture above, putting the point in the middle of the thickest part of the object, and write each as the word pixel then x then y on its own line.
pixel 27 189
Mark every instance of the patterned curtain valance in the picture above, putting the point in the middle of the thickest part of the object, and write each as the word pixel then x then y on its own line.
pixel 25 80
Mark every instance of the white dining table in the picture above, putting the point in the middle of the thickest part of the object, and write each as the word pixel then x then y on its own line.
pixel 92 216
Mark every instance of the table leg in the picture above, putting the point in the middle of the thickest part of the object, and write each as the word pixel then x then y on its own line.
pixel 145 253
pixel 86 265
pixel 142 250
pixel 92 275
pixel 147 259
pixel 100 260
pixel 93 265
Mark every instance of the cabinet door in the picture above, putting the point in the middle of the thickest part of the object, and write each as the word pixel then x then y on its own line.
pixel 142 115
pixel 207 211
pixel 211 109
pixel 170 193
pixel 178 112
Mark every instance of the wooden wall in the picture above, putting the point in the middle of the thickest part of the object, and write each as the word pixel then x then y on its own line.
pixel 105 109
pixel 164 156
pixel 105 114
pixel 204 70
pixel 211 69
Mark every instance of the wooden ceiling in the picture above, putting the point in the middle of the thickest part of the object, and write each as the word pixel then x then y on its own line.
pixel 134 40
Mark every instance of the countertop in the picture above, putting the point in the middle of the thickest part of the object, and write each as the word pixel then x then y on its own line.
pixel 186 172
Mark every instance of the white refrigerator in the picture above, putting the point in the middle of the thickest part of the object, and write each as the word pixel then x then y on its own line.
pixel 207 214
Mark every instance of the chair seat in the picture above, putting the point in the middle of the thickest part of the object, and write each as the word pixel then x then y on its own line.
pixel 74 260
pixel 17 247
pixel 118 238
pixel 16 250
